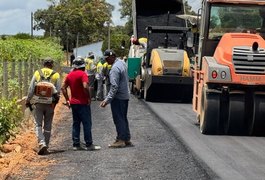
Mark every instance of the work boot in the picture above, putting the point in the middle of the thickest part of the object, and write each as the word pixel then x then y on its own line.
pixel 78 148
pixel 92 147
pixel 129 144
pixel 43 150
pixel 117 144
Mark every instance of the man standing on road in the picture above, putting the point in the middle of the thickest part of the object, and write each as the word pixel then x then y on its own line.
pixel 100 79
pixel 91 68
pixel 43 110
pixel 72 57
pixel 80 101
pixel 106 69
pixel 118 97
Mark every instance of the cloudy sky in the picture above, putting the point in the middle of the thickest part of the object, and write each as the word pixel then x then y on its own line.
pixel 195 4
pixel 15 15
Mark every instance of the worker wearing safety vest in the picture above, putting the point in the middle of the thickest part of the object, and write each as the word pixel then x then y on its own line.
pixel 106 68
pixel 43 111
pixel 100 79
pixel 91 70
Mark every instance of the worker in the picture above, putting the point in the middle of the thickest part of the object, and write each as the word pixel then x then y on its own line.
pixel 43 106
pixel 100 79
pixel 106 70
pixel 118 98
pixel 143 42
pixel 91 69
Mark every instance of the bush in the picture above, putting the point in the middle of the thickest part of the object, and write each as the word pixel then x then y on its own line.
pixel 13 88
pixel 10 117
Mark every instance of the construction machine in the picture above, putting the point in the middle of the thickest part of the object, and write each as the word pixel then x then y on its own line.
pixel 229 73
pixel 163 63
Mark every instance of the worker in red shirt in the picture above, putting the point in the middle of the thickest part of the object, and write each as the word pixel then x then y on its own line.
pixel 79 102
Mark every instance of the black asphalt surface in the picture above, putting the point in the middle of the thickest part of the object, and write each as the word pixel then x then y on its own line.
pixel 157 153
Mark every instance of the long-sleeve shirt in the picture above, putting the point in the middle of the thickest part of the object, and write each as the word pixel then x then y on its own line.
pixel 119 86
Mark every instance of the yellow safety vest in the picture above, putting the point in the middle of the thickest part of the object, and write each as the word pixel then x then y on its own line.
pixel 106 65
pixel 89 63
pixel 46 73
pixel 99 67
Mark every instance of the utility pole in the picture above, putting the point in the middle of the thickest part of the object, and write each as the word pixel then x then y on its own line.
pixel 77 44
pixel 67 44
pixel 31 22
pixel 108 35
pixel 50 31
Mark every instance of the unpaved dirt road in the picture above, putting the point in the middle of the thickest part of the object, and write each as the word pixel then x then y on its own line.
pixel 157 154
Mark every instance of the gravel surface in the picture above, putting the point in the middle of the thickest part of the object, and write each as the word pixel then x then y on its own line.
pixel 157 152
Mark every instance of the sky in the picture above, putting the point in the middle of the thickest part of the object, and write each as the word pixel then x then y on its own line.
pixel 15 15
pixel 195 4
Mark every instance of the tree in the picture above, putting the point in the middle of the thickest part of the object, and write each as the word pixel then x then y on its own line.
pixel 117 38
pixel 126 12
pixel 74 19
pixel 188 8
pixel 126 9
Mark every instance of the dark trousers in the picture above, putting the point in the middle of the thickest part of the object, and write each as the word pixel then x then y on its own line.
pixel 81 114
pixel 119 109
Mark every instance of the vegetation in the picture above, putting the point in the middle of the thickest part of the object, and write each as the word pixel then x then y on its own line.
pixel 12 49
pixel 21 49
pixel 118 43
pixel 126 12
pixel 75 19
pixel 10 118
pixel 86 21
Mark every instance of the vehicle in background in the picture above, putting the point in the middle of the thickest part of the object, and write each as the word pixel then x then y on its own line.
pixel 160 67
pixel 229 74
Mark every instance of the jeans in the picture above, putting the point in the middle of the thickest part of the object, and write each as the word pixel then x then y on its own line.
pixel 119 109
pixel 81 114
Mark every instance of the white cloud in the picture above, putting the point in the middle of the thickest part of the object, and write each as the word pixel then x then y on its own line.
pixel 15 15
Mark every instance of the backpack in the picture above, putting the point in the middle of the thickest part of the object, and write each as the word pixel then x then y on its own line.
pixel 44 90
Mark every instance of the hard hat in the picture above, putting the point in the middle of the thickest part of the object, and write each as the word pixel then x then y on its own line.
pixel 79 62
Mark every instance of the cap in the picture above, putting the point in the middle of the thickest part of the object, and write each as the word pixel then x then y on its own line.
pixel 108 53
pixel 79 62
pixel 47 61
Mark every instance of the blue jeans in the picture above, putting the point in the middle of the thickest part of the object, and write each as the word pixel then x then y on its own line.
pixel 81 114
pixel 119 109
